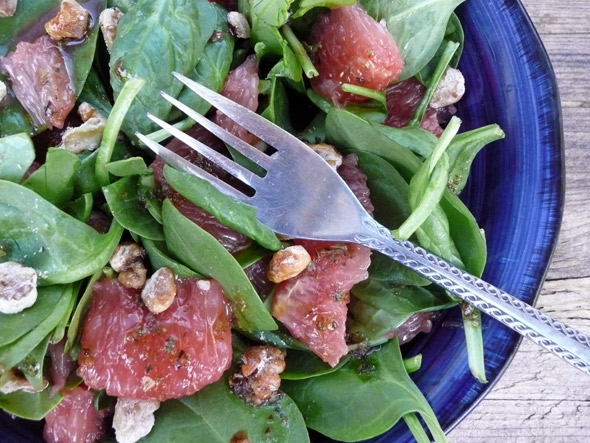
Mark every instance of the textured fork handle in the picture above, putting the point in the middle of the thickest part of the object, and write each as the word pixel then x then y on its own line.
pixel 556 337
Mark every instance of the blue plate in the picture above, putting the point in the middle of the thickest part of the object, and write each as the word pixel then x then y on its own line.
pixel 515 192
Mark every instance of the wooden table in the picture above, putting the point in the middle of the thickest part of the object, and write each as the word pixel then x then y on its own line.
pixel 539 398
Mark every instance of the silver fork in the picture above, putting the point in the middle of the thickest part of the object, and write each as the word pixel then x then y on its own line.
pixel 301 196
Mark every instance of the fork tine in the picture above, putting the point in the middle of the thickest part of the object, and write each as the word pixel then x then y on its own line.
pixel 184 165
pixel 257 125
pixel 240 145
pixel 230 166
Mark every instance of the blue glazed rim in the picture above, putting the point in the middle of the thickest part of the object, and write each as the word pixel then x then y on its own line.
pixel 510 81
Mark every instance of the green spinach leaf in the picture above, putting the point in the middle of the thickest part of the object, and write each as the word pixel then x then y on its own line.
pixel 155 38
pixel 32 364
pixel 306 5
pixel 160 257
pixel 127 167
pixel 36 233
pixel 230 212
pixel 204 417
pixel 81 207
pixel 418 27
pixel 17 153
pixel 30 406
pixel 202 252
pixel 54 180
pixel 127 208
pixel 304 364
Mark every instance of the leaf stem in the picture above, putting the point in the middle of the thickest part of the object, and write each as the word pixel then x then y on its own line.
pixel 366 92
pixel 445 59
pixel 412 364
pixel 300 52
pixel 416 428
pixel 162 134
pixel 474 341
pixel 111 130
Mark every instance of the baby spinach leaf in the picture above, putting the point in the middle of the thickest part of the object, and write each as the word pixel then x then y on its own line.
pixel 75 328
pixel 378 309
pixel 123 5
pixel 31 406
pixel 463 150
pixel 391 273
pixel 13 117
pixel 128 209
pixel 160 257
pixel 95 94
pixel 54 180
pixel 202 252
pixel 418 27
pixel 302 364
pixel 85 181
pixel 230 212
pixel 36 233
pixel 16 351
pixel 306 5
pixel 32 364
pixel 17 153
pixel 362 399
pixel 204 417
pixel 81 207
pixel 214 65
pixel 14 326
pixel 127 167
pixel 277 110
pixel 60 329
pixel 155 38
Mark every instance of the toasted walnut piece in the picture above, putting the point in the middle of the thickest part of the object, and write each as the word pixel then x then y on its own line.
pixel 240 437
pixel 86 111
pixel 328 153
pixel 238 24
pixel 257 379
pixel 86 137
pixel 126 254
pixel 18 287
pixel 71 22
pixel 133 419
pixel 450 89
pixel 108 21
pixel 134 277
pixel 12 382
pixel 288 263
pixel 159 291
pixel 8 7
pixel 3 91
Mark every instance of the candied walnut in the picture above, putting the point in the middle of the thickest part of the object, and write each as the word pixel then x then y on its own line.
pixel 450 89
pixel 134 277
pixel 12 381
pixel 240 437
pixel 71 22
pixel 86 111
pixel 18 287
pixel 128 262
pixel 238 24
pixel 160 290
pixel 109 21
pixel 86 137
pixel 288 263
pixel 8 7
pixel 257 379
pixel 328 153
pixel 133 419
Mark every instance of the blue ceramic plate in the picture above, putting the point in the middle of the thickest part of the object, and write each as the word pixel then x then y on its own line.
pixel 515 192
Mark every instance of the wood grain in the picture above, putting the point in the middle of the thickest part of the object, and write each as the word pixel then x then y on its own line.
pixel 540 399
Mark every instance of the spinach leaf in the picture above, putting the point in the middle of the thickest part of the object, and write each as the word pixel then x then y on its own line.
pixel 81 207
pixel 32 364
pixel 230 212
pixel 304 364
pixel 306 5
pixel 378 309
pixel 95 93
pixel 418 27
pixel 453 33
pixel 36 233
pixel 30 406
pixel 155 38
pixel 202 252
pixel 75 328
pixel 204 417
pixel 14 326
pixel 277 110
pixel 17 153
pixel 128 167
pixel 127 208
pixel 214 65
pixel 85 181
pixel 54 180
pixel 123 5
pixel 160 257
pixel 463 150
pixel 362 399
pixel 15 352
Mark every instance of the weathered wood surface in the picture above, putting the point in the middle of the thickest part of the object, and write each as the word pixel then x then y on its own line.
pixel 539 398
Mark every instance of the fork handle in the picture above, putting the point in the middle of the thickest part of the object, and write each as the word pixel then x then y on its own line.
pixel 556 337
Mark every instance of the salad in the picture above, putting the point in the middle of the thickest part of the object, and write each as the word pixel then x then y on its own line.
pixel 137 302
